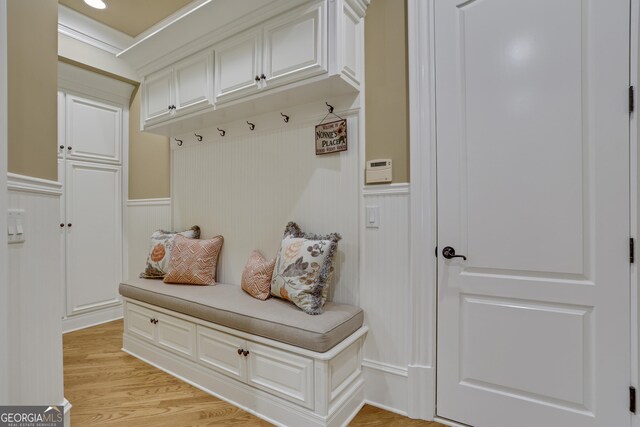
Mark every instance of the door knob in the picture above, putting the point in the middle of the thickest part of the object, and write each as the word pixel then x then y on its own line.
pixel 448 252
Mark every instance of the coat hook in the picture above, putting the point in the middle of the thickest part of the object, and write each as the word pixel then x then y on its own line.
pixel 222 132
pixel 199 137
pixel 251 126
pixel 330 107
pixel 179 141
pixel 285 118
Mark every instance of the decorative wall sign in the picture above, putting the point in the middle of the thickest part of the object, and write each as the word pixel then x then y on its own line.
pixel 331 137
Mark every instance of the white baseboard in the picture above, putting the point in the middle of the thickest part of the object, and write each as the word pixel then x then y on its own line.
pixel 386 386
pixel 256 402
pixel 86 320
pixel 422 392
pixel 67 412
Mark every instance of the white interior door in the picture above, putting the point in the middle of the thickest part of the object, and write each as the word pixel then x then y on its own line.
pixel 533 188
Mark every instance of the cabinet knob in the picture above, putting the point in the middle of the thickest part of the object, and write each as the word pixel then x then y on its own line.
pixel 263 77
pixel 61 225
pixel 62 147
pixel 69 148
pixel 257 78
pixel 240 351
pixel 150 320
pixel 69 225
pixel 245 353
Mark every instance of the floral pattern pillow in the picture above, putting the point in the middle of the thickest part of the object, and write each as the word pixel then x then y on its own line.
pixel 160 251
pixel 304 268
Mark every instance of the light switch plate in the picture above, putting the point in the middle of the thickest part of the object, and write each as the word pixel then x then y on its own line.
pixel 15 226
pixel 372 219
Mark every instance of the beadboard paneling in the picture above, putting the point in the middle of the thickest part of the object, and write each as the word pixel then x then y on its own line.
pixel 35 300
pixel 144 216
pixel 385 285
pixel 247 188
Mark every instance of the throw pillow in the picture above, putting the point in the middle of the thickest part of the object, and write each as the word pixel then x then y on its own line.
pixel 194 262
pixel 256 276
pixel 304 267
pixel 160 251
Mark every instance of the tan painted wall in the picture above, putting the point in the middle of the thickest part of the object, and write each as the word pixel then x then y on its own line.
pixel 149 160
pixel 386 100
pixel 32 29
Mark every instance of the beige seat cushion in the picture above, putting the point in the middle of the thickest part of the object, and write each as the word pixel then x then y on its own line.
pixel 230 306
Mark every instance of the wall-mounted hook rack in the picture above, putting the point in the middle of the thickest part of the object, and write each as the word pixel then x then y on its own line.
pixel 222 131
pixel 178 141
pixel 198 137
pixel 251 126
pixel 285 118
pixel 329 107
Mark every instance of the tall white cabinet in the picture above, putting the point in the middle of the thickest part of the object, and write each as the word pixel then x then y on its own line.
pixel 92 143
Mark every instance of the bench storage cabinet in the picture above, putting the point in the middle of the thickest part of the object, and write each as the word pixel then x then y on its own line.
pixel 283 383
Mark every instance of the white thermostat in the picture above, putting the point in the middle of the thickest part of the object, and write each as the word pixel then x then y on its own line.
pixel 378 171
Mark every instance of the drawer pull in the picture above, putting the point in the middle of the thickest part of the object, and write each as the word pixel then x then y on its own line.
pixel 245 353
pixel 240 351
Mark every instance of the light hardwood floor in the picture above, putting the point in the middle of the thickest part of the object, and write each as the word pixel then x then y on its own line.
pixel 108 386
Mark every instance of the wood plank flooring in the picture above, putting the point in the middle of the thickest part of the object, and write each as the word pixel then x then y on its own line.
pixel 109 387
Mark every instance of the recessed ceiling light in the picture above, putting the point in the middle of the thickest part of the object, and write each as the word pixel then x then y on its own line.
pixel 98 4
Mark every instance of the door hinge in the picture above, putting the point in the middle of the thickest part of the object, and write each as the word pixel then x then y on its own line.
pixel 632 399
pixel 632 103
pixel 632 250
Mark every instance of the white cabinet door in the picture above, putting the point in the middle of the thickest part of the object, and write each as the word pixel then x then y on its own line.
pixel 295 46
pixel 281 373
pixel 94 239
pixel 193 83
pixel 93 130
pixel 237 67
pixel 139 322
pixel 219 351
pixel 62 140
pixel 533 188
pixel 157 96
pixel 176 335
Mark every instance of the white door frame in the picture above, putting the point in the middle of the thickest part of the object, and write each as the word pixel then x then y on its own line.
pixel 423 210
pixel 4 285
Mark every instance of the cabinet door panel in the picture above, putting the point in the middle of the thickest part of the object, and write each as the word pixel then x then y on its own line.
pixel 62 136
pixel 94 241
pixel 219 351
pixel 93 129
pixel 236 63
pixel 295 46
pixel 281 373
pixel 193 83
pixel 176 335
pixel 138 322
pixel 157 96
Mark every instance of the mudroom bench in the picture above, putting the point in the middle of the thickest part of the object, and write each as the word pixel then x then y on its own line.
pixel 267 357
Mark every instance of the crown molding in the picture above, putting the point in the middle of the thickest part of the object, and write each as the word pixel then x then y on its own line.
pixel 90 31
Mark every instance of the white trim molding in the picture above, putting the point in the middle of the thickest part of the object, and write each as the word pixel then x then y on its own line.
pixel 383 189
pixel 149 202
pixel 385 367
pixel 385 386
pixel 29 184
pixel 422 210
pixel 91 32
pixel 67 412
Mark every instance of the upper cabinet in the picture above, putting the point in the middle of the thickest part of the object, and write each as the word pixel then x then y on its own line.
pixel 182 88
pixel 313 49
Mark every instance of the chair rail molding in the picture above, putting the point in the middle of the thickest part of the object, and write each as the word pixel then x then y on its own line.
pixel 31 184
pixel 422 210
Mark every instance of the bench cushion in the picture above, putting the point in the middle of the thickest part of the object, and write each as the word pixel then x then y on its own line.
pixel 230 306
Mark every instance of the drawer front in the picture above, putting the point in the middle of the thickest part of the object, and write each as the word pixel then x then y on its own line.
pixel 176 335
pixel 281 373
pixel 219 351
pixel 138 322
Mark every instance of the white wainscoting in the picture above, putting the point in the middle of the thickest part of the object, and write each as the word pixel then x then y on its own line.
pixel 248 187
pixel 144 216
pixel 35 295
pixel 385 297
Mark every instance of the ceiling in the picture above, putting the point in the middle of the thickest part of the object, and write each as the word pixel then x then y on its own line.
pixel 131 17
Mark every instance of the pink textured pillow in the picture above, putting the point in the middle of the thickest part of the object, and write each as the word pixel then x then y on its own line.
pixel 256 277
pixel 194 262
